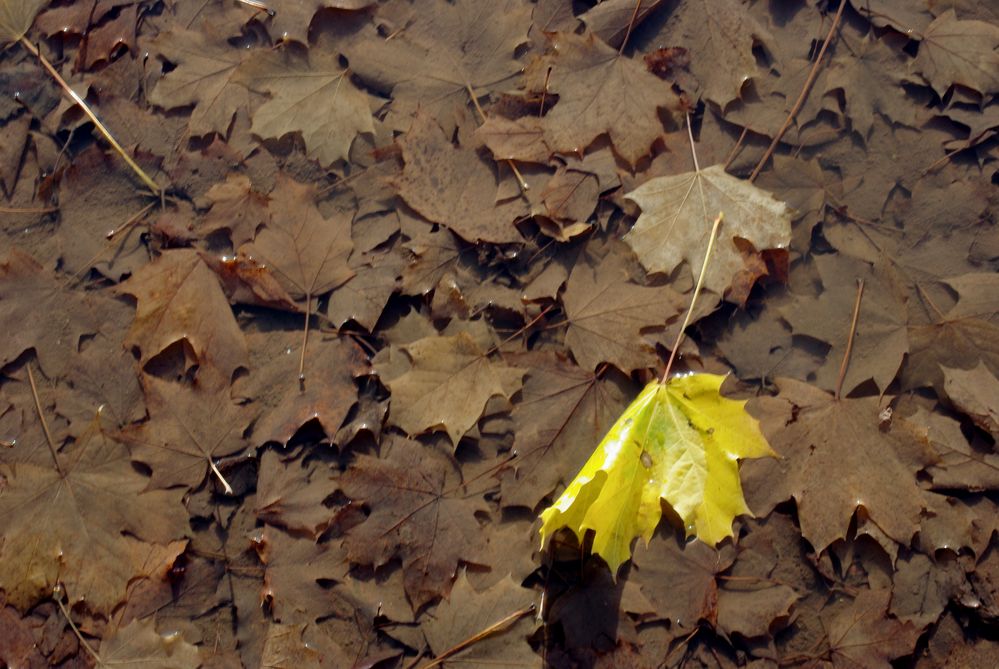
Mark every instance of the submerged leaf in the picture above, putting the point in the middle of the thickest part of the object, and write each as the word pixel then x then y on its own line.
pixel 679 441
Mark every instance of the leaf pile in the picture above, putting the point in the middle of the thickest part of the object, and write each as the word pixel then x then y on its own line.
pixel 411 262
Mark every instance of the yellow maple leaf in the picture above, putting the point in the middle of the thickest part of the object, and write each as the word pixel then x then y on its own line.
pixel 680 441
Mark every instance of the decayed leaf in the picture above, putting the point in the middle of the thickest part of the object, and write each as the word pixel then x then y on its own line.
pixel 64 522
pixel 189 427
pixel 959 52
pixel 608 314
pixel 467 613
pixel 42 313
pixel 293 568
pixel 678 441
pixel 975 392
pixel 961 336
pixel 869 77
pixel 881 339
pixel 180 298
pixel 681 580
pixel 313 96
pixel 306 252
pixel 16 17
pixel 447 48
pixel 454 186
pixel 842 441
pixel 204 77
pixel 421 511
pixel 138 646
pixel 236 207
pixel 291 495
pixel 720 36
pixel 446 384
pixel 864 637
pixel 600 91
pixel 562 411
pixel 286 403
pixel 677 215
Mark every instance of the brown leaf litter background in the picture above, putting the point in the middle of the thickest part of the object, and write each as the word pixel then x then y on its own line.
pixel 301 410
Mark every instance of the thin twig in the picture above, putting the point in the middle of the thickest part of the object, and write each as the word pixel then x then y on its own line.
pixel 479 636
pixel 693 300
pixel 801 98
pixel 57 596
pixel 631 24
pixel 735 149
pixel 41 418
pixel 28 210
pixel 80 102
pixel 849 339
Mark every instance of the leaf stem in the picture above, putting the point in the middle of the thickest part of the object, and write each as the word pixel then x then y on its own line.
pixel 693 299
pixel 631 25
pixel 82 104
pixel 801 97
pixel 849 339
pixel 41 418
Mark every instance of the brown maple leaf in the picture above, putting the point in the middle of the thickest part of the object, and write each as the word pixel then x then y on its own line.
pixel 421 511
pixel 284 401
pixel 975 393
pixel 305 251
pixel 189 427
pixel 237 208
pixel 64 521
pixel 561 413
pixel 608 314
pixel 293 567
pixel 600 91
pixel 466 613
pixel 835 459
pixel 881 339
pixel 954 51
pixel 290 495
pixel 179 298
pixel 864 636
pixel 454 186
pixel 444 383
pixel 204 76
pixel 721 37
pixel 311 95
pixel 681 579
pixel 445 52
pixel 955 337
pixel 42 314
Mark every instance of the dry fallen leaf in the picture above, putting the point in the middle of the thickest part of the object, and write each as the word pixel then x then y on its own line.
pixel 310 95
pixel 63 521
pixel 16 17
pixel 179 298
pixel 421 512
pixel 608 314
pixel 204 76
pixel 954 51
pixel 600 91
pixel 677 213
pixel 445 384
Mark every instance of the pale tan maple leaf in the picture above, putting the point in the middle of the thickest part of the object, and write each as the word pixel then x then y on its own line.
pixel 677 214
